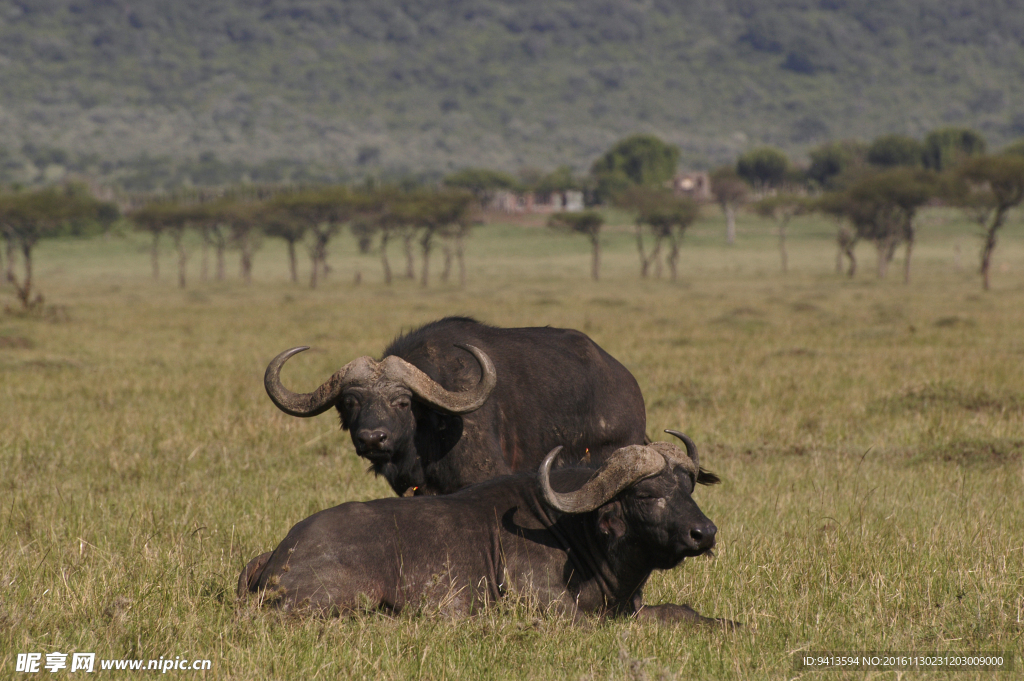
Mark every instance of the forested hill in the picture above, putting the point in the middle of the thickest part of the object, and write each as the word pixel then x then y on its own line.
pixel 154 91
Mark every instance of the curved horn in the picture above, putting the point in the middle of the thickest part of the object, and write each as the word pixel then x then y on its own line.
pixel 434 394
pixel 692 462
pixel 304 404
pixel 691 449
pixel 625 467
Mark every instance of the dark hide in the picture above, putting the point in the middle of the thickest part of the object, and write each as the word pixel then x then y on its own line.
pixel 459 552
pixel 555 387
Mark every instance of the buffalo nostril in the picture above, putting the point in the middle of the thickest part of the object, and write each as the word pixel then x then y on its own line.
pixel 704 537
pixel 372 438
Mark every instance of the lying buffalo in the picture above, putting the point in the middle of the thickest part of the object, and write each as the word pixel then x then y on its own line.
pixel 574 540
pixel 457 402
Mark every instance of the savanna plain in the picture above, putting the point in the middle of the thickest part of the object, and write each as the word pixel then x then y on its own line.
pixel 869 435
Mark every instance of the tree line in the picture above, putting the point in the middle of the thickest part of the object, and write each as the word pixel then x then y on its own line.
pixel 418 218
pixel 874 190
pixel 421 219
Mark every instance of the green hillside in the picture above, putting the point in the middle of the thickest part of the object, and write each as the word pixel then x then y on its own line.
pixel 152 93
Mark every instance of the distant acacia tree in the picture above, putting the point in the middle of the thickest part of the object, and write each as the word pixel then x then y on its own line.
pixel 481 182
pixel 178 219
pixel 153 219
pixel 587 223
pixel 206 219
pixel 637 160
pixel 439 213
pixel 172 218
pixel 243 221
pixel 377 218
pixel 837 205
pixel 390 220
pixel 947 148
pixel 992 185
pixel 904 191
pixel 29 217
pixel 846 239
pixel 560 179
pixel 322 212
pixel 453 245
pixel 665 217
pixel 881 208
pixel 877 219
pixel 764 168
pixel 832 162
pixel 401 219
pixel 277 222
pixel 7 231
pixel 730 191
pixel 890 151
pixel 782 208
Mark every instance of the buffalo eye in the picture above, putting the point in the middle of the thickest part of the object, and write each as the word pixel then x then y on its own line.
pixel 349 402
pixel 402 403
pixel 646 492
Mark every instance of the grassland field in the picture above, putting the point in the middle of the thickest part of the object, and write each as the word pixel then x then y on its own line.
pixel 869 434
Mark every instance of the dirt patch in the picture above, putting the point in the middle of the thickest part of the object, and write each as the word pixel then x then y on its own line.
pixel 757 450
pixel 747 318
pixel 42 364
pixel 974 451
pixel 795 352
pixel 954 322
pixel 931 397
pixel 608 302
pixel 16 343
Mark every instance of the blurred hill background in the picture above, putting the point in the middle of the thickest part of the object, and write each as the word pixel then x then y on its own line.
pixel 151 94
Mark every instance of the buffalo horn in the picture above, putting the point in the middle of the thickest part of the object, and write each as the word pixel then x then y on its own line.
pixel 691 452
pixel 306 404
pixel 625 467
pixel 433 393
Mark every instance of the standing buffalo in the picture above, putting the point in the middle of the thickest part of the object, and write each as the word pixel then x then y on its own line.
pixel 457 402
pixel 575 540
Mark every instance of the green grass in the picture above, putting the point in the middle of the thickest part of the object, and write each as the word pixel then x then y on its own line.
pixel 869 436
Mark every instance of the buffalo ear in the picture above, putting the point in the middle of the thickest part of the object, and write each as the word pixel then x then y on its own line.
pixel 707 478
pixel 609 520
